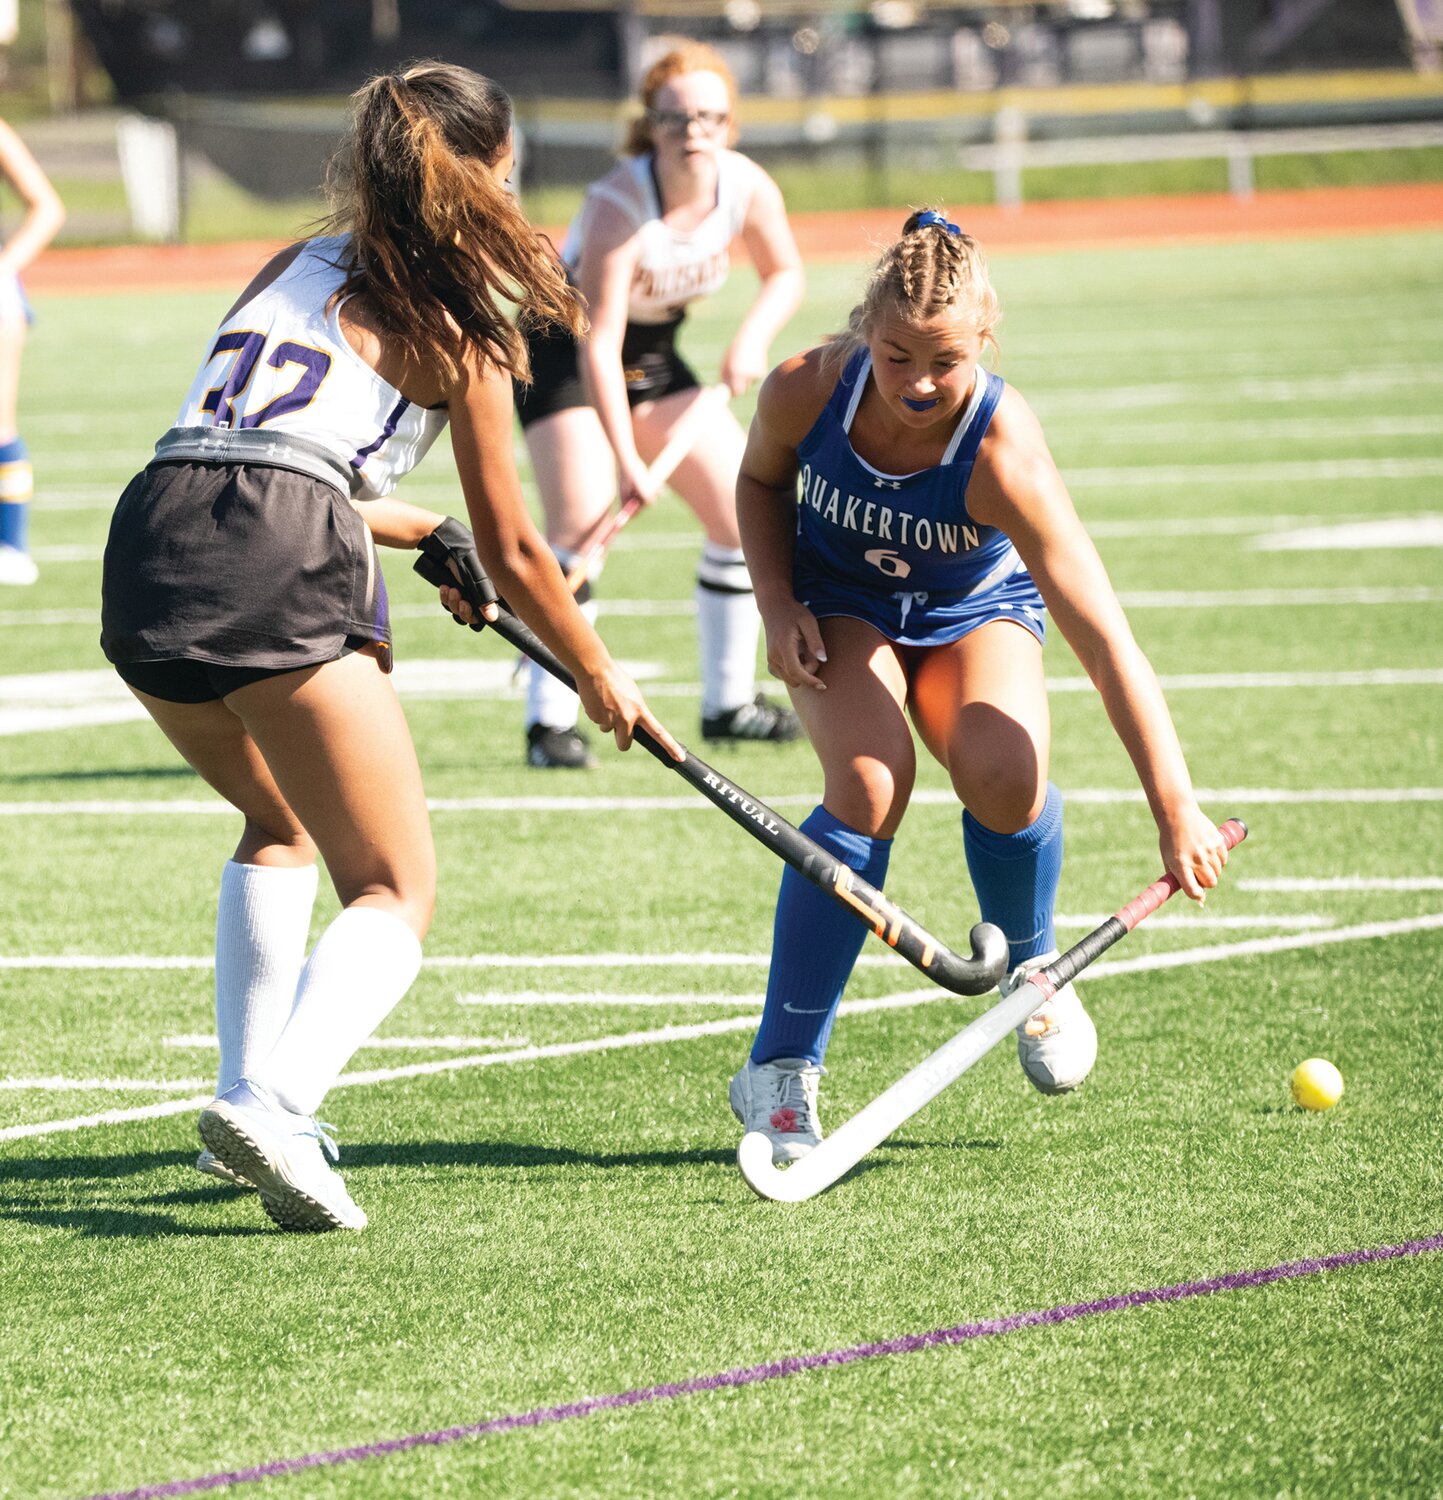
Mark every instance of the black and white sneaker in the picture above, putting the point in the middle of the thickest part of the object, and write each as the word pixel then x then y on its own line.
pixel 551 749
pixel 761 719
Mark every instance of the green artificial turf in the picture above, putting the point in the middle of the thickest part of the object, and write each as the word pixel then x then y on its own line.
pixel 572 1226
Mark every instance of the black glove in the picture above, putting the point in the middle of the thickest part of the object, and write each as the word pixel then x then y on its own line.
pixel 451 542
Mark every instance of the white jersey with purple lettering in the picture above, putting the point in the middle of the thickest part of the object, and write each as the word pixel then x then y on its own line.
pixel 900 551
pixel 676 267
pixel 281 366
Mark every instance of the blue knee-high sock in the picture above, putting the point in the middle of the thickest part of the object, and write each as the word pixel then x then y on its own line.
pixel 815 944
pixel 1015 876
pixel 15 489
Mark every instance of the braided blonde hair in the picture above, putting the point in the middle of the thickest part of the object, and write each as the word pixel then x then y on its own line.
pixel 931 269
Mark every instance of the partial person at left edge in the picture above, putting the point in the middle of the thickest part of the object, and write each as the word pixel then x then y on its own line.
pixel 244 607
pixel 44 214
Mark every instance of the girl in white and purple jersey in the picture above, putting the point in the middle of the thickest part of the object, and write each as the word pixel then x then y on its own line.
pixel 906 529
pixel 243 606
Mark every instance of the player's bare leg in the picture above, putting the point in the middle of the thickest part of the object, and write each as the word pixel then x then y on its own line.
pixel 575 476
pixel 980 706
pixel 728 626
pixel 16 564
pixel 336 765
pixel 860 732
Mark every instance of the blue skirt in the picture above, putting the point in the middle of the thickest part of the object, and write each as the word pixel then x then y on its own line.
pixel 920 619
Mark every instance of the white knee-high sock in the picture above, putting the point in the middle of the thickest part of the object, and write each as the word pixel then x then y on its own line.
pixel 548 701
pixel 361 966
pixel 728 628
pixel 261 927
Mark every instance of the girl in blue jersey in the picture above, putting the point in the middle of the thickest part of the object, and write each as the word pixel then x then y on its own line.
pixel 906 531
pixel 244 607
pixel 44 214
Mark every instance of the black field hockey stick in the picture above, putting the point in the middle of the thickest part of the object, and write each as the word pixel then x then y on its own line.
pixel 963 976
pixel 869 1127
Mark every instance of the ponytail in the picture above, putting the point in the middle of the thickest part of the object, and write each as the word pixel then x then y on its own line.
pixel 438 246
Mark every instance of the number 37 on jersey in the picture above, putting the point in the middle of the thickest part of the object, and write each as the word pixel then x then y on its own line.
pixel 256 385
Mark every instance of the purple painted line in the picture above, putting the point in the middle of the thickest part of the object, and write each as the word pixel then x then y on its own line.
pixel 777 1369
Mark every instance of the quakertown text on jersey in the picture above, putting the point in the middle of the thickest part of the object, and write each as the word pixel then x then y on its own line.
pixel 873 518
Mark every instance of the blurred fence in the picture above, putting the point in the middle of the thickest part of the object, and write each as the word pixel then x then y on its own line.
pixel 124 176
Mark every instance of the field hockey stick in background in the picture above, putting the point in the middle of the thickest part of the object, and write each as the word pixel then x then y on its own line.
pixel 973 975
pixel 679 442
pixel 869 1127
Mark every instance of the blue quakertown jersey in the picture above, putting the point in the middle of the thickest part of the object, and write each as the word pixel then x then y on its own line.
pixel 900 550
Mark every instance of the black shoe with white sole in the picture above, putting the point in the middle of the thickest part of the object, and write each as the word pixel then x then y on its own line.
pixel 551 749
pixel 761 719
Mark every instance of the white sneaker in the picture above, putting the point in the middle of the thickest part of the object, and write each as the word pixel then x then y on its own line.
pixel 16 566
pixel 210 1165
pixel 779 1098
pixel 284 1155
pixel 1057 1043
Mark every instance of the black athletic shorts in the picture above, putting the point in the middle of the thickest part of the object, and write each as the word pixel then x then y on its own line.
pixel 649 358
pixel 185 681
pixel 249 568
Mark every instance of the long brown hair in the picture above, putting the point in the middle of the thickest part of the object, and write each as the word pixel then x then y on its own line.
pixel 438 246
pixel 686 56
pixel 932 267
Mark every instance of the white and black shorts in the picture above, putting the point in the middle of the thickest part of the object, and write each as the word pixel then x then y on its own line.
pixel 223 573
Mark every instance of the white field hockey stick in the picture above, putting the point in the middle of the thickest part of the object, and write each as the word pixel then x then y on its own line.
pixel 869 1127
pixel 680 441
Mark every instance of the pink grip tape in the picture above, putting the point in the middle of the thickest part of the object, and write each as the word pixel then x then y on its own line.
pixel 1233 833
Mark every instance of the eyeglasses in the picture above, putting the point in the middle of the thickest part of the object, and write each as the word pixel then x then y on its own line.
pixel 678 119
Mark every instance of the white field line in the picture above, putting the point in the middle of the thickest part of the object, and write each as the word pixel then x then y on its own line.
pixel 668 1034
pixel 1307 921
pixel 1249 472
pixel 1239 525
pixel 200 1041
pixel 1356 536
pixel 1252 390
pixel 1131 599
pixel 1345 883
pixel 1242 430
pixel 59 1085
pixel 185 807
pixel 610 997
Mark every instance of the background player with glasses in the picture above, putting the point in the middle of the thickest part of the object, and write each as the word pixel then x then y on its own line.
pixel 651 237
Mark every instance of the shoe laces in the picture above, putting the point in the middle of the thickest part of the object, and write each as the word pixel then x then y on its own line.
pixel 324 1133
pixel 794 1098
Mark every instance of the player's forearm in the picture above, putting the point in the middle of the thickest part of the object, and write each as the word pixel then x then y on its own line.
pixel 397 523
pixel 778 297
pixel 525 573
pixel 1133 699
pixel 606 390
pixel 767 520
pixel 38 228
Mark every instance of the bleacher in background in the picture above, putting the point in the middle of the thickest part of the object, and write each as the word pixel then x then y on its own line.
pixel 256 92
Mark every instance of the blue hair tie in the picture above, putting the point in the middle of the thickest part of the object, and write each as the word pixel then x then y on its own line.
pixel 933 220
